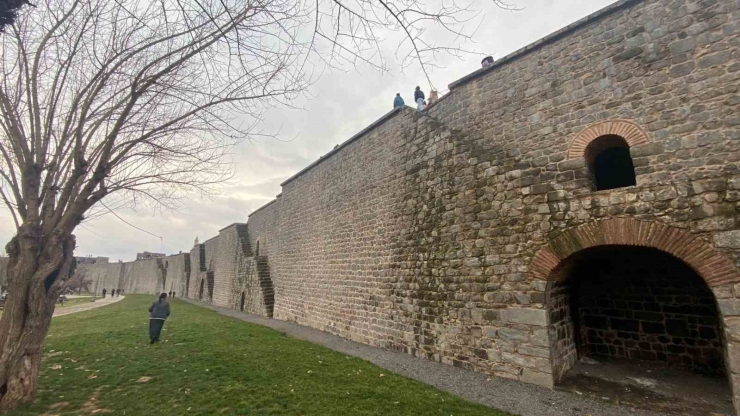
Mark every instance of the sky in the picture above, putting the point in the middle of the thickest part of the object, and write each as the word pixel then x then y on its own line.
pixel 338 105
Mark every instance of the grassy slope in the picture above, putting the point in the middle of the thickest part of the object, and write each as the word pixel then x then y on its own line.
pixel 210 364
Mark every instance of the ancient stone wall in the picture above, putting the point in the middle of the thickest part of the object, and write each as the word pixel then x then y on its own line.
pixel 438 235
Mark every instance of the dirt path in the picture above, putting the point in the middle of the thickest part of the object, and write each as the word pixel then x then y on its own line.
pixel 86 306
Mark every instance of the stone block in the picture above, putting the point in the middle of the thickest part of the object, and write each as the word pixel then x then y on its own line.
pixel 729 307
pixel 573 164
pixel 540 338
pixel 538 378
pixel 648 149
pixel 733 355
pixel 732 328
pixel 728 239
pixel 534 351
pixel 511 334
pixel 537 317
pixel 518 360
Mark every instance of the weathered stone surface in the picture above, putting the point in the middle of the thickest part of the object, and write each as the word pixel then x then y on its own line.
pixel 728 239
pixel 536 317
pixel 538 378
pixel 729 307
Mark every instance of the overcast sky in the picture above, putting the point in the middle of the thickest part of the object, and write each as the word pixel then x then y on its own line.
pixel 343 103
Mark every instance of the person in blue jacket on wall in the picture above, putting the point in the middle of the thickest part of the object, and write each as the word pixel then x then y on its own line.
pixel 398 101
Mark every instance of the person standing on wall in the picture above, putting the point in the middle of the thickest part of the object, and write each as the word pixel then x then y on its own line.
pixel 419 98
pixel 398 101
pixel 158 313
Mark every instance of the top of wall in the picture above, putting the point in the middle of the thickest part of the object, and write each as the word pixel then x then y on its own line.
pixel 387 116
pixel 233 224
pixel 267 204
pixel 600 14
pixel 480 72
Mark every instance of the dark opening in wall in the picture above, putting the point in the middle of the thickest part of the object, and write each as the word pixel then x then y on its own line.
pixel 610 162
pixel 202 286
pixel 257 248
pixel 241 306
pixel 202 257
pixel 634 303
pixel 210 278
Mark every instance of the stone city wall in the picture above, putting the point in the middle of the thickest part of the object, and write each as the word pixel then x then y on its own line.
pixel 443 234
pixel 439 234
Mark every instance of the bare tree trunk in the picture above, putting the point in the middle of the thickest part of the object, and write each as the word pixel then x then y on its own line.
pixel 36 275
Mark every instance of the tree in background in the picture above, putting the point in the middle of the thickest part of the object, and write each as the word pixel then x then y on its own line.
pixel 109 103
pixel 80 281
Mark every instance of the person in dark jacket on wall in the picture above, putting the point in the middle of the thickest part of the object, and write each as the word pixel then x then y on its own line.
pixel 158 313
pixel 419 98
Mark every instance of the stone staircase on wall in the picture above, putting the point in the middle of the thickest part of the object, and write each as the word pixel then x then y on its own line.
pixel 268 292
pixel 243 238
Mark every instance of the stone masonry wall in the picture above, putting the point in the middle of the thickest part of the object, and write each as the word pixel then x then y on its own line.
pixel 421 234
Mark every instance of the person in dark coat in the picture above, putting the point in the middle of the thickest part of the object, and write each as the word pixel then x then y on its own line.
pixel 158 313
pixel 419 98
pixel 104 291
pixel 112 292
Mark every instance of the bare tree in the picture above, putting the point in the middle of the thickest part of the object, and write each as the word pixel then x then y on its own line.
pixel 132 100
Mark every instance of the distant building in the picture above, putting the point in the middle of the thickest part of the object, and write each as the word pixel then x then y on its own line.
pixel 148 255
pixel 90 260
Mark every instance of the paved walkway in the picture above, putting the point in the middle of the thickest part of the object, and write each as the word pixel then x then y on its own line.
pixel 86 306
pixel 499 393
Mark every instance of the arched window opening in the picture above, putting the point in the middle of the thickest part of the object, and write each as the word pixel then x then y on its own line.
pixel 610 162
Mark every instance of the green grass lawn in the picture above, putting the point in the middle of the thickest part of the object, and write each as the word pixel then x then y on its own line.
pixel 100 361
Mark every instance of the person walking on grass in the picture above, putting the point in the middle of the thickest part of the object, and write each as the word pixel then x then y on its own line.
pixel 158 313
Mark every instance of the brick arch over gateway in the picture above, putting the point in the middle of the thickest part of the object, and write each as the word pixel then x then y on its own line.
pixel 629 130
pixel 713 266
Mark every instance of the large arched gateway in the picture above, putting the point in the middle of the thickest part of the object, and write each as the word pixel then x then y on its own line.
pixel 635 294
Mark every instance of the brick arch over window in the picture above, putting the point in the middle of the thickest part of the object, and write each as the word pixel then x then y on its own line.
pixel 631 132
pixel 712 265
